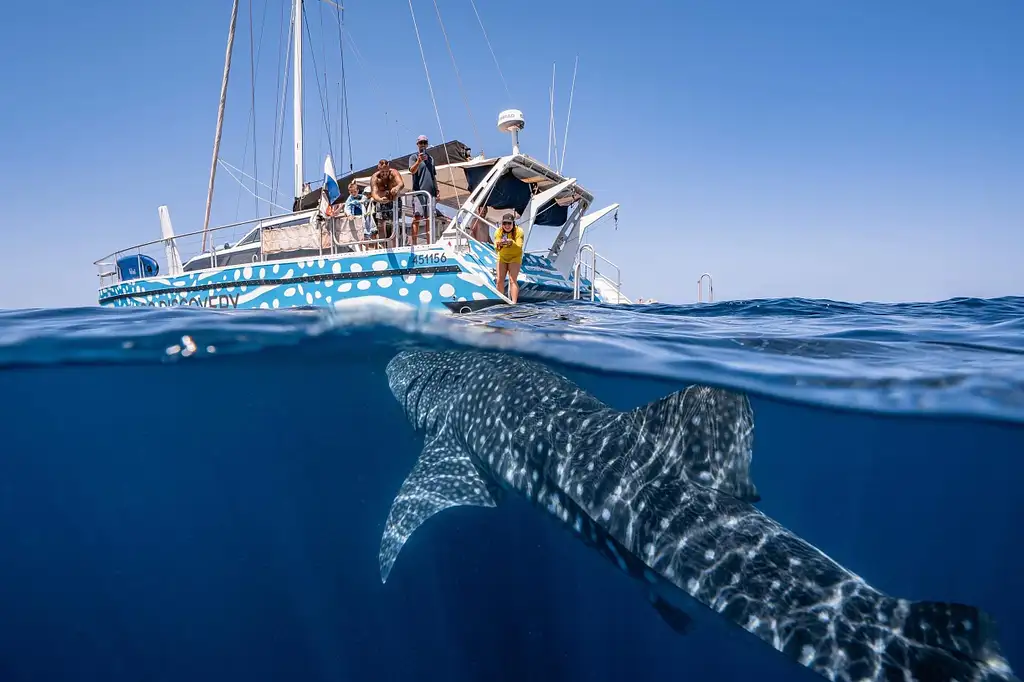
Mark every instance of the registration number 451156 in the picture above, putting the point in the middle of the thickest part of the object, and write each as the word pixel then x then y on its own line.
pixel 434 258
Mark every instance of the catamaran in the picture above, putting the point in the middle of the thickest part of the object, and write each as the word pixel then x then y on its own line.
pixel 320 255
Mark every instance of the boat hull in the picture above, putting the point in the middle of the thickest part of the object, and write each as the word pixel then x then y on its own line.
pixel 434 278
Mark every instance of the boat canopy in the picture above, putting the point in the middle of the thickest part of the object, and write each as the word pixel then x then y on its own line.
pixel 522 179
pixel 450 153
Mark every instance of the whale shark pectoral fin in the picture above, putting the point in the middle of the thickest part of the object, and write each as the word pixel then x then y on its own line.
pixel 705 434
pixel 958 628
pixel 676 618
pixel 444 476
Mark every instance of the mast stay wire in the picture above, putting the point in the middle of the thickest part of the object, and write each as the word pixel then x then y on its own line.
pixel 458 78
pixel 372 81
pixel 433 101
pixel 345 123
pixel 319 91
pixel 565 137
pixel 275 159
pixel 488 41
pixel 254 66
pixel 228 169
pixel 327 82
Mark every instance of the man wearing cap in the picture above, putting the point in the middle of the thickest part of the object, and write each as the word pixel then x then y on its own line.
pixel 424 178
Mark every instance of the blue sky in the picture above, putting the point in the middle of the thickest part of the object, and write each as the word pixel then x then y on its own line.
pixel 845 150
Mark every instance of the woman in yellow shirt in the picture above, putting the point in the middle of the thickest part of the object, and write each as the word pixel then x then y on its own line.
pixel 508 242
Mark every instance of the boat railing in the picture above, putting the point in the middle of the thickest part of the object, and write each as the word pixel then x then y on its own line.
pixel 419 201
pixel 587 269
pixel 303 234
pixel 464 218
pixel 700 288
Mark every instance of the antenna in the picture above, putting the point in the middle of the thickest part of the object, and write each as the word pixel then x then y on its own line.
pixel 565 138
pixel 551 116
pixel 512 121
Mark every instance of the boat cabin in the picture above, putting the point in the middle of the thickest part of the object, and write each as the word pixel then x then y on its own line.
pixel 548 207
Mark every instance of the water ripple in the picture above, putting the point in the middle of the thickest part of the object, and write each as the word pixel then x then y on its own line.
pixel 956 357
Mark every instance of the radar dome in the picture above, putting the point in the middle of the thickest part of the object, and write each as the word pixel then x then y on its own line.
pixel 511 119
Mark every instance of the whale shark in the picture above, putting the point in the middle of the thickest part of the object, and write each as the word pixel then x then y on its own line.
pixel 664 492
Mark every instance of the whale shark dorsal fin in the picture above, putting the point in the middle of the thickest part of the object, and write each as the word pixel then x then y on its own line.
pixel 444 476
pixel 705 434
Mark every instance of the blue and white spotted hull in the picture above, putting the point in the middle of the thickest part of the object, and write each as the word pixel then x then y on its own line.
pixel 433 277
pixel 429 277
pixel 538 278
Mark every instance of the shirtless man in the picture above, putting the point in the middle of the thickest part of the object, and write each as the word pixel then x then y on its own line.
pixel 386 185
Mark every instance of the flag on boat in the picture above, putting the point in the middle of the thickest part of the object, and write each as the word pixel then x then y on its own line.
pixel 330 191
pixel 331 182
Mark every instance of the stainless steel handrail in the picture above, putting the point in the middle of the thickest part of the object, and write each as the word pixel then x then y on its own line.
pixel 594 273
pixel 283 218
pixel 578 266
pixel 456 224
pixel 700 288
pixel 109 274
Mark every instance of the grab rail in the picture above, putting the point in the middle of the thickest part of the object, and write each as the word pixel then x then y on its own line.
pixel 594 273
pixel 322 239
pixel 700 288
pixel 457 225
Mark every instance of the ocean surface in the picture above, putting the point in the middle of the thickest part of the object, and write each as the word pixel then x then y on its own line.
pixel 200 495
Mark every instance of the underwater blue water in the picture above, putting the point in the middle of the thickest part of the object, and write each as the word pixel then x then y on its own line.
pixel 195 494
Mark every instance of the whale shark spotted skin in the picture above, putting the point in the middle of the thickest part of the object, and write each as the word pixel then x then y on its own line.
pixel 664 492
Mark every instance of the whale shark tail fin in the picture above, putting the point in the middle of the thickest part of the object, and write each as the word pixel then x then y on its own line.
pixel 705 434
pixel 444 476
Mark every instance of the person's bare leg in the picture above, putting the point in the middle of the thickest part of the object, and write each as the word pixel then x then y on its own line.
pixel 499 280
pixel 513 284
pixel 414 230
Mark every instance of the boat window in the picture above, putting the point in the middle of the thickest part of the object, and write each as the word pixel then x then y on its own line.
pixel 250 238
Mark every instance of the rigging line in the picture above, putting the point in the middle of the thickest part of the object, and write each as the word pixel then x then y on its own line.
pixel 319 92
pixel 565 137
pixel 239 181
pixel 327 83
pixel 277 121
pixel 243 173
pixel 220 118
pixel 458 78
pixel 552 131
pixel 346 122
pixel 371 80
pixel 488 40
pixel 279 143
pixel 433 101
pixel 252 108
pixel 252 91
pixel 340 105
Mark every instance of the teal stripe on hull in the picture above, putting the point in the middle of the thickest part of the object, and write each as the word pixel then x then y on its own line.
pixel 424 278
pixel 434 278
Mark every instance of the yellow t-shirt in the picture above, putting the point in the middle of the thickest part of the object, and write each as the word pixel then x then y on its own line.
pixel 513 251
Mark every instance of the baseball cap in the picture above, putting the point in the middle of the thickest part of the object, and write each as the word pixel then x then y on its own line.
pixel 422 138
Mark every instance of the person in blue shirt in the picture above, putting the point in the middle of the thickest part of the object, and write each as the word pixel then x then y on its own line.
pixel 424 178
pixel 355 207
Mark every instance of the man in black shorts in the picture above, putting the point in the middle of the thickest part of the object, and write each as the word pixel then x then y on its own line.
pixel 386 185
pixel 424 179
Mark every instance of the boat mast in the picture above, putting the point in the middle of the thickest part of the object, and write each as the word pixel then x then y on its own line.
pixel 297 93
pixel 220 118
